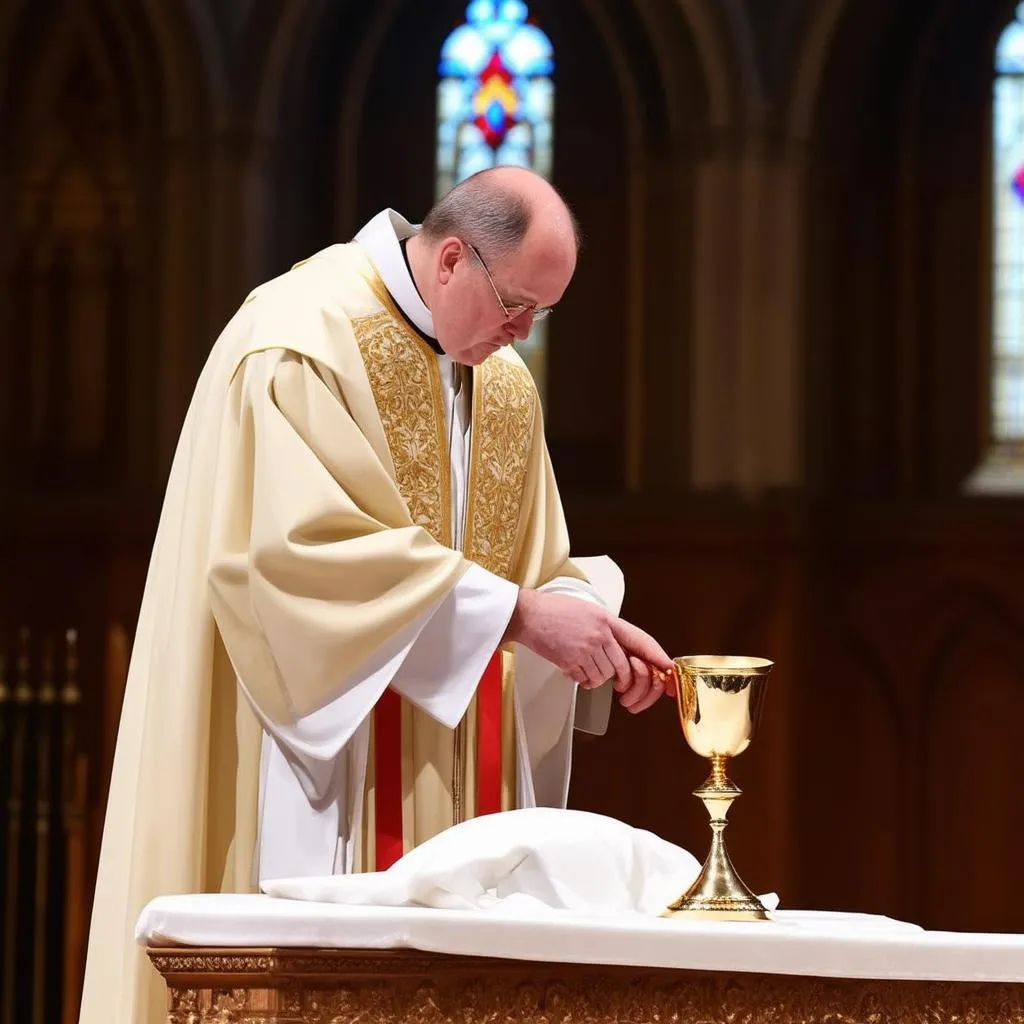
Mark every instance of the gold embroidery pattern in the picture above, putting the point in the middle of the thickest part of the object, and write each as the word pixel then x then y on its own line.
pixel 504 407
pixel 407 390
pixel 322 986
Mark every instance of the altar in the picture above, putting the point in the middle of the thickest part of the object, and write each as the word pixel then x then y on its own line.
pixel 259 958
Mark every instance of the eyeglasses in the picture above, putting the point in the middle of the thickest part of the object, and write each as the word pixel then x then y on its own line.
pixel 511 312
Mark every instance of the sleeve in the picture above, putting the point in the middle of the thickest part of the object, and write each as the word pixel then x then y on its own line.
pixel 569 586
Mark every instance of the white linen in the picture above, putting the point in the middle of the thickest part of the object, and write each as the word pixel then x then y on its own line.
pixel 539 858
pixel 826 945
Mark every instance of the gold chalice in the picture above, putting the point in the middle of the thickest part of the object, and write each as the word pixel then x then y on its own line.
pixel 719 700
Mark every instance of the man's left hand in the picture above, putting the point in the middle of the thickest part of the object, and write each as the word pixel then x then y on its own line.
pixel 645 688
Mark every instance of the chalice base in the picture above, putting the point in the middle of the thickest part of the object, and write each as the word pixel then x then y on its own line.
pixel 718 892
pixel 696 906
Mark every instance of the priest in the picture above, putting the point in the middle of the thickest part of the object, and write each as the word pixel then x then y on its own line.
pixel 361 624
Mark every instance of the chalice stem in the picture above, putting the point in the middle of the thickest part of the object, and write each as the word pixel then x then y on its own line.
pixel 718 890
pixel 718 779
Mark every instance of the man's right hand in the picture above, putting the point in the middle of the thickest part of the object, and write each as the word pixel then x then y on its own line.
pixel 590 645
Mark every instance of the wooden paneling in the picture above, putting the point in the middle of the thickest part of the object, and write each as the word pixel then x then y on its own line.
pixel 885 774
pixel 882 777
pixel 82 568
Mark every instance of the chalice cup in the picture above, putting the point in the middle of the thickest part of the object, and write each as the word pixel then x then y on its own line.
pixel 719 700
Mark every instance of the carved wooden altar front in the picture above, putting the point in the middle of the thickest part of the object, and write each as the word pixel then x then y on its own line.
pixel 382 987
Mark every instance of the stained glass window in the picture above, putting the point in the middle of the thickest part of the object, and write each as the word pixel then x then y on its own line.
pixel 1008 236
pixel 495 102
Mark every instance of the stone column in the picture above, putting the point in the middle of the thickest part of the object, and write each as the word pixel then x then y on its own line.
pixel 241 187
pixel 214 250
pixel 746 383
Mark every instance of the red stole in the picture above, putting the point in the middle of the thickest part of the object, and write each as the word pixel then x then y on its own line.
pixel 387 723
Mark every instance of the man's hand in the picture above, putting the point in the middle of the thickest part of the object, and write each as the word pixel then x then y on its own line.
pixel 590 645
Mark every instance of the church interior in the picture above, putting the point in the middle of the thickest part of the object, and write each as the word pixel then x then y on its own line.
pixel 785 390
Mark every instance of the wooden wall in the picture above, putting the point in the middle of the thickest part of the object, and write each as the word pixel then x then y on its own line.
pixel 884 777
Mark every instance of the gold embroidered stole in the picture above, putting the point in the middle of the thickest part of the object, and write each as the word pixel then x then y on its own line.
pixel 439 764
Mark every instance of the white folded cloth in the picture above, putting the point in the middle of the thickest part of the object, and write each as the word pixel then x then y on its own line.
pixel 536 859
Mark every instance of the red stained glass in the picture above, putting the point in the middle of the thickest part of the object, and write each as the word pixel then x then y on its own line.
pixel 496 102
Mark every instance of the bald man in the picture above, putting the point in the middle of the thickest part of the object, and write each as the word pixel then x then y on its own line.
pixel 361 623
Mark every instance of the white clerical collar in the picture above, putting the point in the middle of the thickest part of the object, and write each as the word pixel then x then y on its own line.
pixel 380 239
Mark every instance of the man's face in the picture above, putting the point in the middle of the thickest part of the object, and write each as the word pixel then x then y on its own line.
pixel 484 304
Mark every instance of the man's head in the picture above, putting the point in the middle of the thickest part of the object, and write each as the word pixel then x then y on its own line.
pixel 497 251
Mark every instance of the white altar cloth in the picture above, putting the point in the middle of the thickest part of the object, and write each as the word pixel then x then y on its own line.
pixel 538 859
pixel 808 943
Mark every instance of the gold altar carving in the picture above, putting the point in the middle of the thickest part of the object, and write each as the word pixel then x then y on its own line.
pixel 253 986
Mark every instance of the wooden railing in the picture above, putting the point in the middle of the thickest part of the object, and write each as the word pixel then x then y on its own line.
pixel 43 855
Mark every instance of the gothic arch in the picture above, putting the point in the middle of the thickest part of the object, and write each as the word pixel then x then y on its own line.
pixel 106 113
pixel 193 72
pixel 725 47
pixel 282 39
pixel 73 125
pixel 337 83
pixel 170 52
pixel 812 58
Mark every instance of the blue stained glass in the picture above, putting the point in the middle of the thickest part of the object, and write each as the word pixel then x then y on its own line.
pixel 496 76
pixel 495 104
pixel 514 10
pixel 465 52
pixel 1010 49
pixel 538 101
pixel 529 52
pixel 1008 236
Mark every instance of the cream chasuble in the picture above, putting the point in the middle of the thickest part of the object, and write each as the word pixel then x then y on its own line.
pixel 300 572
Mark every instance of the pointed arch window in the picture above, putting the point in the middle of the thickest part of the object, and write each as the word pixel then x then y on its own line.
pixel 495 105
pixel 1008 237
pixel 1002 470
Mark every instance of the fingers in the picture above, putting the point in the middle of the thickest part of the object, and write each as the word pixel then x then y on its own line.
pixel 588 674
pixel 636 642
pixel 592 646
pixel 609 663
pixel 654 694
pixel 620 664
pixel 646 690
pixel 640 686
pixel 595 674
pixel 672 684
pixel 592 671
pixel 578 676
pixel 668 681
